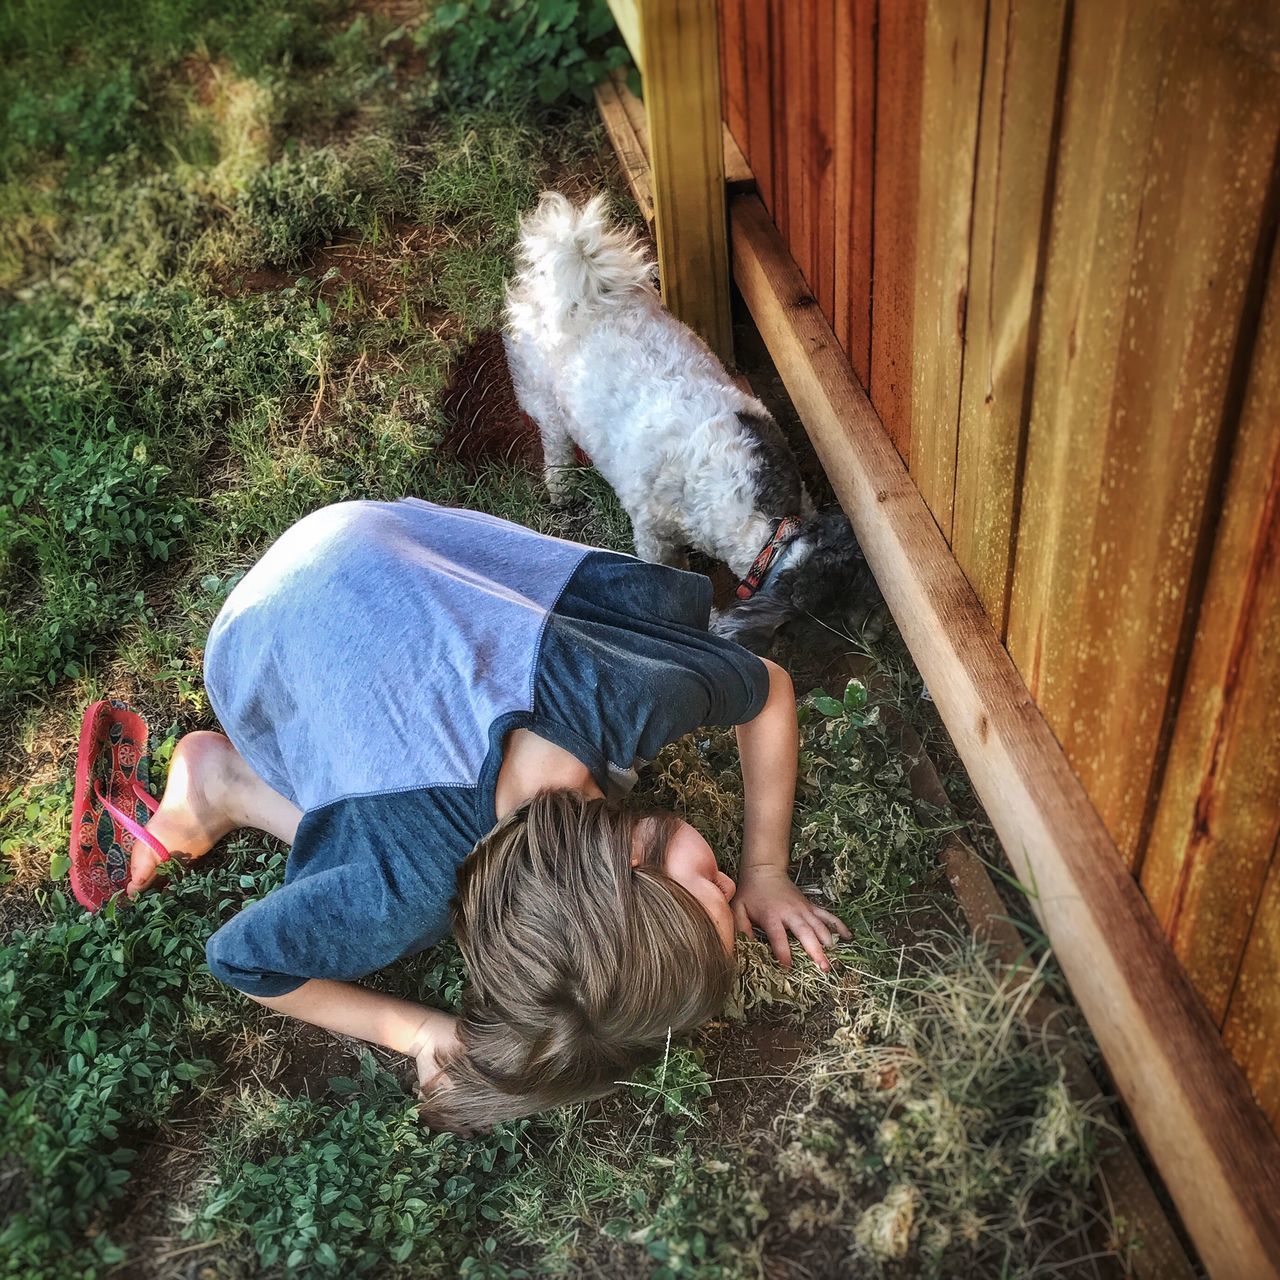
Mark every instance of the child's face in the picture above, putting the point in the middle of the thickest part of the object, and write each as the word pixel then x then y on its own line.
pixel 691 864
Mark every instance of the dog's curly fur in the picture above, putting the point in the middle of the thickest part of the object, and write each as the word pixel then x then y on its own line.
pixel 597 361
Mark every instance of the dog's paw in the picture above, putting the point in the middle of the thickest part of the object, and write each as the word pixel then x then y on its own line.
pixel 560 486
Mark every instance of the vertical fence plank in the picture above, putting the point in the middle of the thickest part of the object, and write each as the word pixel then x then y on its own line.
pixel 733 70
pixel 1252 1031
pixel 1218 816
pixel 781 207
pixel 1010 214
pixel 686 150
pixel 899 63
pixel 758 144
pixel 853 143
pixel 951 95
pixel 797 37
pixel 822 71
pixel 1168 136
pixel 842 160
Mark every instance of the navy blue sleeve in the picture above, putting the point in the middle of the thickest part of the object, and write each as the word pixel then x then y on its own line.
pixel 627 664
pixel 369 880
pixel 316 927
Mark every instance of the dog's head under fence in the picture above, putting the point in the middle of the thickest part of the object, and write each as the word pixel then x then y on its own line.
pixel 821 571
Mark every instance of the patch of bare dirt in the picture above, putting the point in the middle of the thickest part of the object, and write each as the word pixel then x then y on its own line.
pixel 483 419
pixel 378 275
pixel 761 1069
pixel 166 1173
pixel 236 110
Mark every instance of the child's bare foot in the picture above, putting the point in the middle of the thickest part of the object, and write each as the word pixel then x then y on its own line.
pixel 195 812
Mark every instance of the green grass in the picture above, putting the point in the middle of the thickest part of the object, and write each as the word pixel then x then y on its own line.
pixel 242 245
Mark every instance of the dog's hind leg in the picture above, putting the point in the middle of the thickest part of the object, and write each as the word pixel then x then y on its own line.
pixel 557 455
pixel 537 399
pixel 657 546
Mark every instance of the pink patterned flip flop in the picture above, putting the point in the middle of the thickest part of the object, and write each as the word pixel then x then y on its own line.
pixel 112 802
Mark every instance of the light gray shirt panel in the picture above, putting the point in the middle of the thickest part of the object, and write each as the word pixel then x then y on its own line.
pixel 373 645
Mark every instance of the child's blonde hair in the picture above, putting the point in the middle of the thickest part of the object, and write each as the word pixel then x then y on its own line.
pixel 581 965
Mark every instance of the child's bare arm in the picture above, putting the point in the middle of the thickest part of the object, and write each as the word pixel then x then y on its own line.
pixel 400 1025
pixel 766 896
pixel 768 747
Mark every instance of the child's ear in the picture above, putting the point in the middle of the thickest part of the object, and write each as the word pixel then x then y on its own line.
pixel 635 860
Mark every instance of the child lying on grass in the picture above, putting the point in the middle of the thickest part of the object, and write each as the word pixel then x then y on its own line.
pixel 430 704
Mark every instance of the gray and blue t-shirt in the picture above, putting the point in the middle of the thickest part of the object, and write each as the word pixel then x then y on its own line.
pixel 369 667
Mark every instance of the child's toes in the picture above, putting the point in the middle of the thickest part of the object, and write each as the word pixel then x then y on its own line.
pixel 142 870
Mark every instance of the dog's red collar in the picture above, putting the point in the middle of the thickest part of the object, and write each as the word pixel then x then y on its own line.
pixel 784 531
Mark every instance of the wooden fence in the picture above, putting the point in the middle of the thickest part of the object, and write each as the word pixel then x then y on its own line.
pixel 1043 233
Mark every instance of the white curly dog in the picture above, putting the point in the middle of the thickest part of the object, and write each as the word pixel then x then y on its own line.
pixel 597 361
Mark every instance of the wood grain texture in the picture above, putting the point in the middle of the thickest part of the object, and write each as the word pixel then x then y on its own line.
pixel 781 206
pixel 951 95
pixel 853 145
pixel 1218 818
pixel 1168 136
pixel 797 38
pixel 1012 189
pixel 899 65
pixel 632 155
pixel 635 110
pixel 1189 1102
pixel 733 68
pixel 820 153
pixel 686 155
pixel 758 144
pixel 1254 1015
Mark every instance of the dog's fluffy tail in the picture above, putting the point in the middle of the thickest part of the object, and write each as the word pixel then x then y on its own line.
pixel 575 263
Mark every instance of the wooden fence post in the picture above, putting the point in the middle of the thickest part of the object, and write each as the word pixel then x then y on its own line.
pixel 675 44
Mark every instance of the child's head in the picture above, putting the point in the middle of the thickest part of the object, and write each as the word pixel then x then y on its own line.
pixel 583 954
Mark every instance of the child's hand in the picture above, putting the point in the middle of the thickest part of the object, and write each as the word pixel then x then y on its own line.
pixel 767 899
pixel 437 1041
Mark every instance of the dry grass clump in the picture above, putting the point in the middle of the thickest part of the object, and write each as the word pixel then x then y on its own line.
pixel 699 778
pixel 927 1135
pixel 763 983
pixel 934 1129
pixel 230 121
